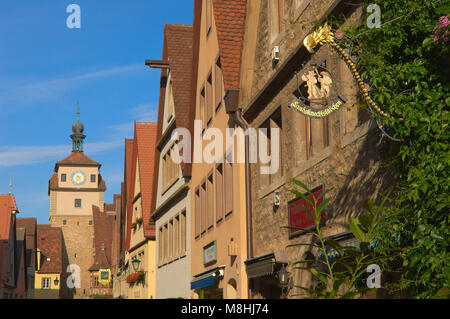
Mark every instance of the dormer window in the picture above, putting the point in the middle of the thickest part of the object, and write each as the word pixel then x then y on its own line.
pixel 170 102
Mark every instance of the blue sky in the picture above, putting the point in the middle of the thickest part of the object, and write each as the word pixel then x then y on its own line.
pixel 45 67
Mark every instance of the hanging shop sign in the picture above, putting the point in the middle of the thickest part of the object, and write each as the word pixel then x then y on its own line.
pixel 324 35
pixel 317 93
pixel 318 82
pixel 105 276
pixel 298 215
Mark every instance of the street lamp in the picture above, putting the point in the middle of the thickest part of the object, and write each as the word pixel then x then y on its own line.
pixel 283 276
pixel 136 262
pixel 56 281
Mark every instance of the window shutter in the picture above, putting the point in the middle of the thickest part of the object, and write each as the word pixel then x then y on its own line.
pixel 203 199
pixel 209 98
pixel 219 191
pixel 202 107
pixel 228 188
pixel 218 82
pixel 197 212
pixel 210 200
pixel 183 232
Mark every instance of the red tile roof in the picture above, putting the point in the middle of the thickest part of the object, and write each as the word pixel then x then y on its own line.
pixel 102 240
pixel 177 49
pixel 77 158
pixel 129 187
pixel 50 245
pixel 145 137
pixel 7 205
pixel 30 226
pixel 143 148
pixel 230 16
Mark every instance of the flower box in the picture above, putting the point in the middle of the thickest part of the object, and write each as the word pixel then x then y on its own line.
pixel 135 278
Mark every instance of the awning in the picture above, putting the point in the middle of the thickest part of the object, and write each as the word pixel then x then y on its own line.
pixel 206 279
pixel 265 265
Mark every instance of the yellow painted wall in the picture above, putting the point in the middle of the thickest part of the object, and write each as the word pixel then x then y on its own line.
pixel 69 170
pixel 38 280
pixel 148 264
pixel 151 268
pixel 233 227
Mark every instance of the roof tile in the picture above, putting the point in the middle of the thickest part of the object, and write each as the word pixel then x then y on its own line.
pixel 50 245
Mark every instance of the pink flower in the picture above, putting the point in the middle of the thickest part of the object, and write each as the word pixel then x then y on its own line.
pixel 339 35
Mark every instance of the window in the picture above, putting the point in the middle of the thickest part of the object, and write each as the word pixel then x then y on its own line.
pixel 203 205
pixel 63 177
pixel 161 245
pixel 46 283
pixel 176 230
pixel 314 134
pixel 208 16
pixel 272 123
pixel 171 244
pixel 95 281
pixel 90 223
pixel 218 85
pixel 142 259
pixel 197 210
pixel 166 242
pixel 170 102
pixel 93 178
pixel 183 232
pixel 219 193
pixel 210 201
pixel 77 203
pixel 276 18
pixel 170 168
pixel 209 99
pixel 228 187
pixel 64 222
pixel 202 107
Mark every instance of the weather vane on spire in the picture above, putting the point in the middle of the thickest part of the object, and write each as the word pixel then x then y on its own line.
pixel 10 185
pixel 78 112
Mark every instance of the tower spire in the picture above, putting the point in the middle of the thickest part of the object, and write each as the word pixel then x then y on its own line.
pixel 78 112
pixel 77 136
pixel 10 185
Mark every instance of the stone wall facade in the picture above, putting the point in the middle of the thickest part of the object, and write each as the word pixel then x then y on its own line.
pixel 78 249
pixel 345 153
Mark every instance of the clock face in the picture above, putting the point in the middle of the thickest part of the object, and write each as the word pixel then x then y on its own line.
pixel 78 178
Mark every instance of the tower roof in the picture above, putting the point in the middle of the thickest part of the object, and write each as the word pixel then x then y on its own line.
pixel 77 158
pixel 77 136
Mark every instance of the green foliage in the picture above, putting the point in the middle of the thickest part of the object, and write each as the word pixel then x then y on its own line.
pixel 339 277
pixel 409 76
